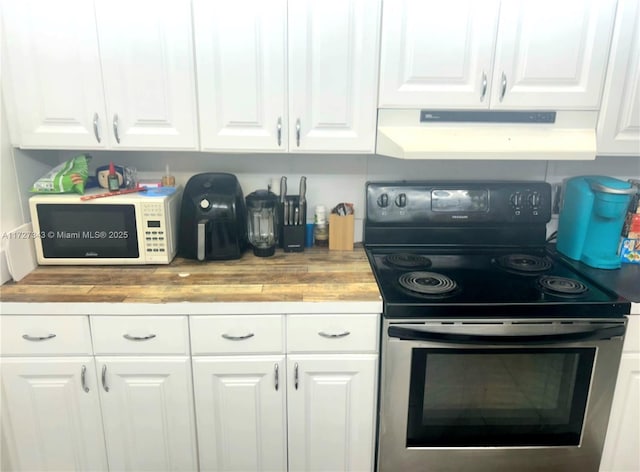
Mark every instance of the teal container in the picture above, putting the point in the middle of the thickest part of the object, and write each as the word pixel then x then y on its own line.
pixel 591 219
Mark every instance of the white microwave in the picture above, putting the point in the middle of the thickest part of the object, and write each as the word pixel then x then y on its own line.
pixel 134 228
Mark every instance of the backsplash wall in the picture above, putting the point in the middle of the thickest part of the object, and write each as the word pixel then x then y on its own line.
pixel 332 179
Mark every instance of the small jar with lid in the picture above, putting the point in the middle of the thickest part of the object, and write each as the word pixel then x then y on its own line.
pixel 321 227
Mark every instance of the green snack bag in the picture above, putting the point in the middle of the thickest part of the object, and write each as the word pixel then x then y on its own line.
pixel 67 177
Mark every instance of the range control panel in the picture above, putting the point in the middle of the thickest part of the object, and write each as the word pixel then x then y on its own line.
pixel 458 203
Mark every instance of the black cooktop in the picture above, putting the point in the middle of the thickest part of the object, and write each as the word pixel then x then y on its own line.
pixel 446 282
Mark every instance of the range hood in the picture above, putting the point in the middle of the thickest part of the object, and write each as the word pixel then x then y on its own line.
pixel 439 134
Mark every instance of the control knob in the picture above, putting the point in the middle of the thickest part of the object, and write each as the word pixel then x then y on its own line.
pixel 401 200
pixel 383 200
pixel 205 204
pixel 534 199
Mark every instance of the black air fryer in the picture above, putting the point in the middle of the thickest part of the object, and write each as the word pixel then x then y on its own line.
pixel 213 220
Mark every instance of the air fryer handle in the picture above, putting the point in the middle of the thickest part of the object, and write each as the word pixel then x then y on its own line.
pixel 202 224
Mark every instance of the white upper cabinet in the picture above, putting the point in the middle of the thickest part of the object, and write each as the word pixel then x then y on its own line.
pixel 552 54
pixel 437 53
pixel 240 52
pixel 618 129
pixel 532 55
pixel 149 75
pixel 51 68
pixel 119 75
pixel 297 76
pixel 333 70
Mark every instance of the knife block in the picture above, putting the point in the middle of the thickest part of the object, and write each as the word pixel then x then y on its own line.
pixel 340 232
pixel 292 231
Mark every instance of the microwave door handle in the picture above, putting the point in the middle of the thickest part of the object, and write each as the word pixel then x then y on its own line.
pixel 202 224
pixel 524 335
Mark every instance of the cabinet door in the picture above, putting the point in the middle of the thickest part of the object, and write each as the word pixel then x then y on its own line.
pixel 331 411
pixel 240 56
pixel 149 78
pixel 333 74
pixel 619 119
pixel 54 87
pixel 240 409
pixel 552 54
pixel 620 452
pixel 49 419
pixel 437 54
pixel 148 413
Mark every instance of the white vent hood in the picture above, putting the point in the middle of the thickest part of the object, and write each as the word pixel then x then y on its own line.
pixel 435 134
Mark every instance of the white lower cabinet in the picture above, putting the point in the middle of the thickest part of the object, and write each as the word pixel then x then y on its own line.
pixel 128 393
pixel 621 453
pixel 331 404
pixel 309 406
pixel 147 410
pixel 51 415
pixel 241 413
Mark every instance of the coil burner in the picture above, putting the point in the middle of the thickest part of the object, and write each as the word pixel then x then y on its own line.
pixel 406 260
pixel 562 286
pixel 429 284
pixel 524 264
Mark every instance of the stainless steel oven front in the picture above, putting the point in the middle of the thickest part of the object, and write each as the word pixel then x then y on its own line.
pixel 496 395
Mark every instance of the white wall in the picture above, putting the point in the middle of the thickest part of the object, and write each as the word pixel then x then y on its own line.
pixel 332 179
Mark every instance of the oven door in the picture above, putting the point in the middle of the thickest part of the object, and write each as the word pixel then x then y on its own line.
pixel 497 395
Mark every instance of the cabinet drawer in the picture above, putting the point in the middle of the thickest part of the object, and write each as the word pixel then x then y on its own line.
pixel 332 333
pixel 140 335
pixel 238 334
pixel 45 335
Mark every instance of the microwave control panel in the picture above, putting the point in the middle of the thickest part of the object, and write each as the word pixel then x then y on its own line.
pixel 155 245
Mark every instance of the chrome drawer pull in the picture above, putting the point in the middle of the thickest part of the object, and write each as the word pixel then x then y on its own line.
pixel 104 378
pixel 504 86
pixel 237 338
pixel 484 86
pixel 38 338
pixel 83 380
pixel 116 132
pixel 277 377
pixel 279 128
pixel 138 338
pixel 333 336
pixel 96 125
pixel 295 376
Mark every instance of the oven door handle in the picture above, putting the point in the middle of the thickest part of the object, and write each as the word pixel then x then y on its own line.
pixel 534 334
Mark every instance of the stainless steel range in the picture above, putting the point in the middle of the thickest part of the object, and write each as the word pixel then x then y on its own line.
pixel 496 356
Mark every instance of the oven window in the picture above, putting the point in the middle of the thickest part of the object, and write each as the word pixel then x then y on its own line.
pixel 498 397
pixel 93 231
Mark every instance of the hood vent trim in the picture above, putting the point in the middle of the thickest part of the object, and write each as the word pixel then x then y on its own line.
pixel 486 135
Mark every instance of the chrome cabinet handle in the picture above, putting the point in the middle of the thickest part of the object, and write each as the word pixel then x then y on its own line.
pixel 38 338
pixel 504 86
pixel 484 86
pixel 104 378
pixel 298 132
pixel 279 128
pixel 295 376
pixel 333 336
pixel 276 376
pixel 96 125
pixel 138 338
pixel 237 338
pixel 83 380
pixel 115 128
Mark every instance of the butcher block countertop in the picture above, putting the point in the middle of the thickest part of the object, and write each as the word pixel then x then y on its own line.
pixel 316 280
